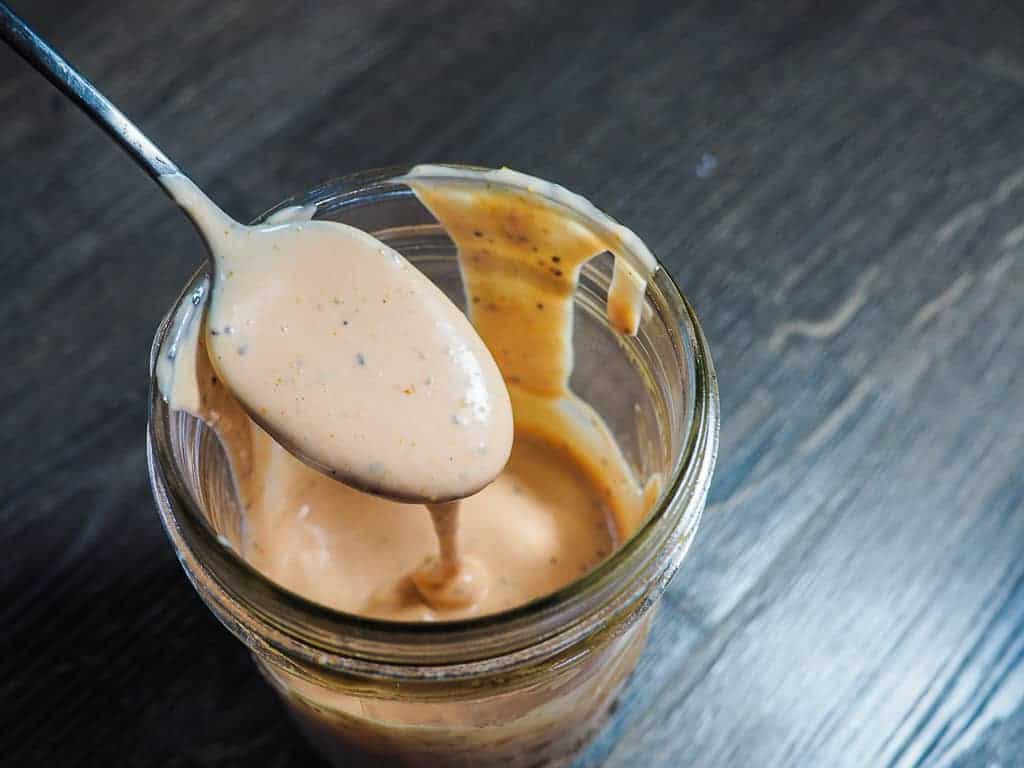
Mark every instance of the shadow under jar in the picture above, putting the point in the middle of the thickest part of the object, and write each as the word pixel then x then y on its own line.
pixel 525 687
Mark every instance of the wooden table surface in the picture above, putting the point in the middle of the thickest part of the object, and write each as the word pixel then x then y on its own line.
pixel 839 189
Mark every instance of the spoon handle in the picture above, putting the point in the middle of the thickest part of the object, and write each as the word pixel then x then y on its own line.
pixel 20 36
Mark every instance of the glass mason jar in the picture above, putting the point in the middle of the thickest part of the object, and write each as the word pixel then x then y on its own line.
pixel 525 687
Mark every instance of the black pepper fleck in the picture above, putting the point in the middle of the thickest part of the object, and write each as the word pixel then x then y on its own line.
pixel 360 360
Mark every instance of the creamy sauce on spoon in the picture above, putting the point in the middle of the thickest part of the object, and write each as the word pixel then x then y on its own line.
pixel 350 356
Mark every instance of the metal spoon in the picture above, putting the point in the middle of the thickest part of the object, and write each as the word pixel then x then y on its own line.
pixel 417 439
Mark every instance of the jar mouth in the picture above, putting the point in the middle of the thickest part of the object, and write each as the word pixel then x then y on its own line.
pixel 280 621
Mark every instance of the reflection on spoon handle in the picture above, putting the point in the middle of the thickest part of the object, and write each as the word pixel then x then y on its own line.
pixel 17 34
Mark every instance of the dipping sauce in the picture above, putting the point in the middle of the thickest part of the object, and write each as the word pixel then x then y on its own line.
pixel 565 500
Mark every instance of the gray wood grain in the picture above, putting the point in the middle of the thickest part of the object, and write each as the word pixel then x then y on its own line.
pixel 840 192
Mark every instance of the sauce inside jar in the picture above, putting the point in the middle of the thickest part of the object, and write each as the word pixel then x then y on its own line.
pixel 566 498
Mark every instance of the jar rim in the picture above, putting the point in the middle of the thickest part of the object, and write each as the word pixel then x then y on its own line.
pixel 289 626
